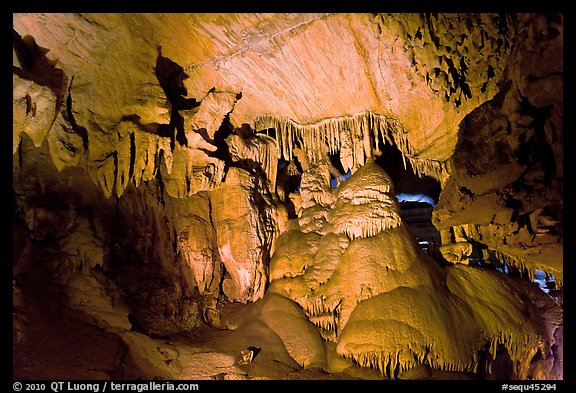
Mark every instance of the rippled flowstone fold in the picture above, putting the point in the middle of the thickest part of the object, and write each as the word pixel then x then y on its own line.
pixel 387 306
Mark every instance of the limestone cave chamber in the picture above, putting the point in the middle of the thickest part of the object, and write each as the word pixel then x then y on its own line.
pixel 335 196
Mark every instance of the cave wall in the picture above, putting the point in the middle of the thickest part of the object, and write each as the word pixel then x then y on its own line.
pixel 505 191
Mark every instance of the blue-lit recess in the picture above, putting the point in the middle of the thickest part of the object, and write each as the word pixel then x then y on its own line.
pixel 540 279
pixel 415 198
pixel 343 177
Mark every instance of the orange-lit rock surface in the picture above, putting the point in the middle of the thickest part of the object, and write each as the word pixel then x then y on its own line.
pixel 190 187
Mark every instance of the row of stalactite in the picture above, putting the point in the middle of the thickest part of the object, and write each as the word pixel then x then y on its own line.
pixel 521 349
pixel 368 226
pixel 356 138
pixel 391 364
pixel 325 321
pixel 324 315
pixel 129 154
pixel 524 266
pixel 319 306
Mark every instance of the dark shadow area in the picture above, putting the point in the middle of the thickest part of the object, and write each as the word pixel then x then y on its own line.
pixel 416 196
pixel 171 76
pixel 38 68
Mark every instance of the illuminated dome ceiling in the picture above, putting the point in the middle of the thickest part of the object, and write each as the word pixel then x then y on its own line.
pixel 175 150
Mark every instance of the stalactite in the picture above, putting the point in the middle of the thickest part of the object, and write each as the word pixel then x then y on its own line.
pixel 325 315
pixel 129 154
pixel 356 137
pixel 367 227
pixel 147 150
pixel 520 349
pixel 526 267
pixel 428 167
pixel 401 360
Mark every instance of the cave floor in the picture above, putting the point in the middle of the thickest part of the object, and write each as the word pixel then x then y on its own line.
pixel 51 341
pixel 58 345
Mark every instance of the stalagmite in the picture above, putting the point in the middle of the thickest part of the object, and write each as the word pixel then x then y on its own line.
pixel 315 186
pixel 325 264
pixel 363 206
pixel 428 336
pixel 244 235
pixel 395 311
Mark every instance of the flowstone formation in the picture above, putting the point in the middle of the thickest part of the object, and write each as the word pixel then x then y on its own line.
pixel 352 265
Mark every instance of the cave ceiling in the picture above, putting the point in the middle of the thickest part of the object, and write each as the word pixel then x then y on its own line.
pixel 425 72
pixel 117 90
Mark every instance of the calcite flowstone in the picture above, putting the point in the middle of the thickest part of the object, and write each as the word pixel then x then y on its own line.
pixel 244 226
pixel 390 307
pixel 196 242
pixel 259 149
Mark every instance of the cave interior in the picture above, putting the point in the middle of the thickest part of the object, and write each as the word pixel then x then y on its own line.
pixel 280 196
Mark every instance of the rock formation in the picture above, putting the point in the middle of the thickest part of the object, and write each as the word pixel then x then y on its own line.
pixel 225 190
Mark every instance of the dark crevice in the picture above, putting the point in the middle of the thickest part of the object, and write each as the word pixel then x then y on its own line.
pixel 30 106
pixel 537 150
pixel 466 191
pixel 20 156
pixel 38 68
pixel 404 179
pixel 435 39
pixel 204 134
pixel 171 76
pixel 114 183
pixel 23 54
pixel 224 131
pixel 105 156
pixel 336 163
pixel 416 196
pixel 178 122
pixel 160 160
pixel 151 128
pixel 132 155
pixel 69 116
